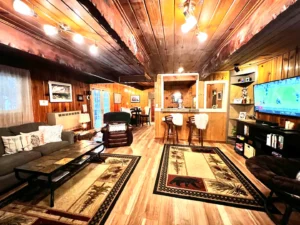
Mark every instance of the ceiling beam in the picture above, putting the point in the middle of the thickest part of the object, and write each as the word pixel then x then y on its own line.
pixel 133 79
pixel 95 13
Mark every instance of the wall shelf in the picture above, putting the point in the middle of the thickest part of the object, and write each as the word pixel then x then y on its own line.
pixel 243 84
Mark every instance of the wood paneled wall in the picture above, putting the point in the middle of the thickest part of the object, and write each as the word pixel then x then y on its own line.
pixel 216 129
pixel 281 67
pixel 186 92
pixel 40 91
pixel 125 92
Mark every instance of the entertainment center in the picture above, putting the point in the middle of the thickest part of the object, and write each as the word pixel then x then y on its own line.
pixel 255 138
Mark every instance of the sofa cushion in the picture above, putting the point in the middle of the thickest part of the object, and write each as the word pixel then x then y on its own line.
pixel 4 132
pixel 51 147
pixel 9 162
pixel 26 128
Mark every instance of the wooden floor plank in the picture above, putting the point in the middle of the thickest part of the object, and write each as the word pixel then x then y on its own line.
pixel 138 205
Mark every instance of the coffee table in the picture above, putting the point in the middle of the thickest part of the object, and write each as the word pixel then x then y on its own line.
pixel 54 167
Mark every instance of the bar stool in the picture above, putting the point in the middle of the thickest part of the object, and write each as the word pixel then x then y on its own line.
pixel 173 122
pixel 199 121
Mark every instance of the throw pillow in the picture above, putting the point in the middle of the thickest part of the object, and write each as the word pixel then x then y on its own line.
pixel 117 127
pixel 51 133
pixel 36 138
pixel 15 144
pixel 298 176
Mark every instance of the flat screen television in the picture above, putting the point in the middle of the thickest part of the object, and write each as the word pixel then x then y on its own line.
pixel 280 97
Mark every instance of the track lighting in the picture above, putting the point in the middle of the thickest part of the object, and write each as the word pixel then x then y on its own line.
pixel 190 19
pixel 94 49
pixel 50 30
pixel 78 38
pixel 202 37
pixel 23 8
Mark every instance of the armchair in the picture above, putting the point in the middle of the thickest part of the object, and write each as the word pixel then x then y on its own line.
pixel 279 175
pixel 118 131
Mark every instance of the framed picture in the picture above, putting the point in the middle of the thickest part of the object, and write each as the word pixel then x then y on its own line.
pixel 238 100
pixel 117 98
pixel 80 98
pixel 134 98
pixel 60 92
pixel 242 115
pixel 219 96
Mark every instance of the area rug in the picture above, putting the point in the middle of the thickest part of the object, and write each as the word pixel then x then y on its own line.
pixel 86 198
pixel 205 174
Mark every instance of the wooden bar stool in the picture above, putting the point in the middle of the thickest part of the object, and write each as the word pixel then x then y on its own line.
pixel 173 122
pixel 199 122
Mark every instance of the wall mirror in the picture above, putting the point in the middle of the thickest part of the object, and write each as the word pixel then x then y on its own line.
pixel 216 95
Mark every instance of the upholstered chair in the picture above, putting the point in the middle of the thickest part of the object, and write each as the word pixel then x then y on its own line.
pixel 118 131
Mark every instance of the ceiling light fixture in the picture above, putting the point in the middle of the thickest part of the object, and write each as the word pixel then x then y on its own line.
pixel 94 49
pixel 180 69
pixel 50 30
pixel 23 8
pixel 202 37
pixel 78 38
pixel 190 19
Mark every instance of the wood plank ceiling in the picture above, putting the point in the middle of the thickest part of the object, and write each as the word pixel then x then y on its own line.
pixel 155 25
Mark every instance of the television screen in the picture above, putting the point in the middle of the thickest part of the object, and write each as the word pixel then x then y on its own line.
pixel 280 97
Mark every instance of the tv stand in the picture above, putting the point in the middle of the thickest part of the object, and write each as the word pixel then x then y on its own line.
pixel 266 140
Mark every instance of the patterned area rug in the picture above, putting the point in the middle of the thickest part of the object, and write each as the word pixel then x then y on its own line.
pixel 86 198
pixel 205 174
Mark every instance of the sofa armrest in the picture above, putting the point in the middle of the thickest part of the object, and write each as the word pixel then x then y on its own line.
pixel 68 136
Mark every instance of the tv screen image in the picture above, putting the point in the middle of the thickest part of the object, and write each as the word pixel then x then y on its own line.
pixel 280 97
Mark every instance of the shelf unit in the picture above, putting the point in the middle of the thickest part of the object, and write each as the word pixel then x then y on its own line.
pixel 254 137
pixel 237 83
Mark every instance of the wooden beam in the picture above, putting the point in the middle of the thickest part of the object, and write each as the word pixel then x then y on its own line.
pixel 133 79
pixel 95 13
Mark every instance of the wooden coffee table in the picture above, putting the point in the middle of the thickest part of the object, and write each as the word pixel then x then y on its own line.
pixel 54 167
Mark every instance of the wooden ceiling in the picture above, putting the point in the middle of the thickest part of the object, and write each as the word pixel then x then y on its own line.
pixel 154 25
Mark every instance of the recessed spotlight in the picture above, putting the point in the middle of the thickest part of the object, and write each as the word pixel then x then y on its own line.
pixel 78 38
pixel 50 30
pixel 23 8
pixel 94 49
pixel 180 69
pixel 202 37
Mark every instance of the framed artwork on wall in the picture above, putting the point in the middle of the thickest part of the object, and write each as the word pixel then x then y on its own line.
pixel 134 98
pixel 117 98
pixel 60 92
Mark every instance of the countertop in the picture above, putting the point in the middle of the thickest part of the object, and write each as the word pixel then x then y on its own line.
pixel 179 110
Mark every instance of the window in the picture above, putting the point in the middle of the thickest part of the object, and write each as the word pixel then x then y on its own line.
pixel 15 96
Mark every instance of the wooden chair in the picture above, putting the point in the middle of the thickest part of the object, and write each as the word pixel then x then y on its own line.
pixel 145 118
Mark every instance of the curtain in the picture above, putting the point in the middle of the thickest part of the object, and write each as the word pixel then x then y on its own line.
pixel 15 96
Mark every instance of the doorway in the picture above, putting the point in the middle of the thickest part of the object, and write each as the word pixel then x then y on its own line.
pixel 101 105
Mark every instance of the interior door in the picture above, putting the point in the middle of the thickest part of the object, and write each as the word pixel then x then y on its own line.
pixel 101 105
pixel 97 112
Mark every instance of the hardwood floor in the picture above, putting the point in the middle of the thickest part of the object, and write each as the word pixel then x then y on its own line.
pixel 138 205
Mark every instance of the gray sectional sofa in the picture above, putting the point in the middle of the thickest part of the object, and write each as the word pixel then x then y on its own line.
pixel 9 162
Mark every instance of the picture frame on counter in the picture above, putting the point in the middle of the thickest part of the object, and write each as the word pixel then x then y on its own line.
pixel 242 115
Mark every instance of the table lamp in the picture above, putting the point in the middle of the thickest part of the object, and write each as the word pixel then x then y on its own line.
pixel 84 119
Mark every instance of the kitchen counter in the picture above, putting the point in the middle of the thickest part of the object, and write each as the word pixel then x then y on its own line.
pixel 179 110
